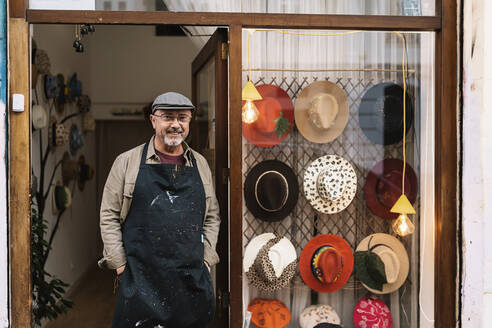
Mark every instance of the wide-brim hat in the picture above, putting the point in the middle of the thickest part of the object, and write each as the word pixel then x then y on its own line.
pixel 69 168
pixel 372 312
pixel 381 113
pixel 86 172
pixel 275 120
pixel 398 270
pixel 321 111
pixel 315 315
pixel 57 133
pixel 39 117
pixel 271 190
pixel 270 262
pixel 330 184
pixel 76 139
pixel 310 271
pixel 383 186
pixel 61 199
pixel 266 313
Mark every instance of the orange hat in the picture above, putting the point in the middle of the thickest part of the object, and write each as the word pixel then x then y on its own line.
pixel 326 263
pixel 269 313
pixel 276 117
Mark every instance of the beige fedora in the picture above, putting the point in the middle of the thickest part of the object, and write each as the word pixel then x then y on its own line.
pixel 394 256
pixel 321 111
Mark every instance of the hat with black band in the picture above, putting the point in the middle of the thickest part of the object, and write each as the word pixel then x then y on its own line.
pixel 172 100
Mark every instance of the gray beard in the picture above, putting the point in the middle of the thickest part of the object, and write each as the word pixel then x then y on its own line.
pixel 172 142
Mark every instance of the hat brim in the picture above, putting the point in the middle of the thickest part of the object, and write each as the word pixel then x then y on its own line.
pixel 249 190
pixel 303 103
pixel 370 116
pixel 269 139
pixel 305 262
pixel 376 174
pixel 401 253
pixel 310 185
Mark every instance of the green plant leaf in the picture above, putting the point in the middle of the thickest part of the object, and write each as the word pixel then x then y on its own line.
pixel 369 269
pixel 282 126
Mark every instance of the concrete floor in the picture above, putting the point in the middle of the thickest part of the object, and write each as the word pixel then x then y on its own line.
pixel 94 302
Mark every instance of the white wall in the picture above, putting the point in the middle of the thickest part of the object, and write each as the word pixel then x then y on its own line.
pixel 477 156
pixel 75 247
pixel 130 66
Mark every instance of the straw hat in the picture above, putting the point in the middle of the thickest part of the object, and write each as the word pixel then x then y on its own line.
pixel 372 312
pixel 381 113
pixel 330 184
pixel 269 313
pixel 316 315
pixel 271 190
pixel 321 111
pixel 326 263
pixel 388 261
pixel 39 117
pixel 383 187
pixel 275 120
pixel 270 262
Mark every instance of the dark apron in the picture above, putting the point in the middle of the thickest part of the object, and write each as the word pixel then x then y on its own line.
pixel 165 282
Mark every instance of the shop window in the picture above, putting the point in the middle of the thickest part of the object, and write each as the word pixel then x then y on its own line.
pixel 323 156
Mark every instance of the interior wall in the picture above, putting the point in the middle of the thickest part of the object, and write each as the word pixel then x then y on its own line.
pixel 130 66
pixel 76 245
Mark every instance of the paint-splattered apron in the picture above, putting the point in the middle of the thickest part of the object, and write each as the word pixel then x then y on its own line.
pixel 165 282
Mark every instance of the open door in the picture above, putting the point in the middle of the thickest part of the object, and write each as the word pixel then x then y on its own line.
pixel 209 137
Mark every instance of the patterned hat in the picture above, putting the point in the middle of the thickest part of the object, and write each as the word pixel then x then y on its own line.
pixel 371 312
pixel 316 315
pixel 326 263
pixel 321 111
pixel 270 262
pixel 330 184
pixel 276 117
pixel 271 190
pixel 57 134
pixel 390 262
pixel 76 140
pixel 267 313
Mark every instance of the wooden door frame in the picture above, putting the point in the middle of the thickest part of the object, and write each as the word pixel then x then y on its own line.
pixel 444 24
pixel 213 50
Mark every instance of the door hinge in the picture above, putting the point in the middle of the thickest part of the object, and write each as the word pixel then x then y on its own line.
pixel 225 51
pixel 226 172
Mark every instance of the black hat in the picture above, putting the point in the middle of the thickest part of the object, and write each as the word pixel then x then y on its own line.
pixel 271 190
pixel 381 113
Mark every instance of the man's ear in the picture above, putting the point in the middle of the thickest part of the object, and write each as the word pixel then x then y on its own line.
pixel 152 120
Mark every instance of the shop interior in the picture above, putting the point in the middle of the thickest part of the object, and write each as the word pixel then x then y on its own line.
pixel 109 74
pixel 123 68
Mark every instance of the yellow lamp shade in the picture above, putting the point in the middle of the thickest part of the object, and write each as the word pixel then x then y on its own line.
pixel 403 206
pixel 250 92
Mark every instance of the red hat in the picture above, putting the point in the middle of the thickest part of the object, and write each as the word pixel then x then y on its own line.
pixel 326 263
pixel 276 117
pixel 372 312
pixel 269 313
pixel 383 187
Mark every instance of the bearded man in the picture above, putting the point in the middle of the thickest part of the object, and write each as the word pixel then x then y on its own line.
pixel 159 223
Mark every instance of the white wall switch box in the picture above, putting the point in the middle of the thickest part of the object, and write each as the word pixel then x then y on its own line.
pixel 18 102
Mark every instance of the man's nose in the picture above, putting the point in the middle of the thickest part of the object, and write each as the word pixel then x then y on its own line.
pixel 175 124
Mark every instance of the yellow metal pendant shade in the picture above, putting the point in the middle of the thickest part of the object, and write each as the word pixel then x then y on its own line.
pixel 250 92
pixel 403 206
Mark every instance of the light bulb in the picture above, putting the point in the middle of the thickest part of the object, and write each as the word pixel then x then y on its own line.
pixel 249 112
pixel 403 226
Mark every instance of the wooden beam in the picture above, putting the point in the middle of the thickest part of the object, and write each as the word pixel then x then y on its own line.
pixel 290 21
pixel 19 176
pixel 445 305
pixel 18 8
pixel 236 176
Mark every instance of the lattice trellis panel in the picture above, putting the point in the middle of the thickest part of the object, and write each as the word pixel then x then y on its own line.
pixel 356 221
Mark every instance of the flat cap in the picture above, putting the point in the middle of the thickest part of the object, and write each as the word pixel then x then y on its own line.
pixel 171 100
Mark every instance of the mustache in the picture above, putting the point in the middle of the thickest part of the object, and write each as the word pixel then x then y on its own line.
pixel 174 130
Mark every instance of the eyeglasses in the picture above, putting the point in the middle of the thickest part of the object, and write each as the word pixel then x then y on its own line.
pixel 168 118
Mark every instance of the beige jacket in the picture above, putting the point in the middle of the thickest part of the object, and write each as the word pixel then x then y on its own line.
pixel 117 198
